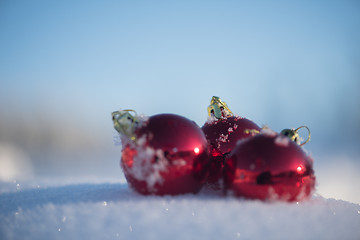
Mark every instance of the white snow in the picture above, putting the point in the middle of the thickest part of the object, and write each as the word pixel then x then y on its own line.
pixel 268 132
pixel 223 138
pixel 282 141
pixel 144 168
pixel 101 210
pixel 211 120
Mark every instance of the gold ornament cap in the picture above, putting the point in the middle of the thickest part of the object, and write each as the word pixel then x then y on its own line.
pixel 125 122
pixel 218 108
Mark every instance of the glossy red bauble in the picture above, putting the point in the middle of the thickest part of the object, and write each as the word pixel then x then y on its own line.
pixel 269 166
pixel 168 156
pixel 222 135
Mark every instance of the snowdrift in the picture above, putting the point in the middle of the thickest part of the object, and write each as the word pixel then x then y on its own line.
pixel 113 211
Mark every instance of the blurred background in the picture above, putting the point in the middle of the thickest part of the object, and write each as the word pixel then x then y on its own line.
pixel 66 65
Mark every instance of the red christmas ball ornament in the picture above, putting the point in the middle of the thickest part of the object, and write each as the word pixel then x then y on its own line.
pixel 165 154
pixel 222 131
pixel 269 166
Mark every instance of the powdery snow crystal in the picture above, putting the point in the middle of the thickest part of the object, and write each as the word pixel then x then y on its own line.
pixel 211 120
pixel 145 169
pixel 141 141
pixel 223 138
pixel 116 139
pixel 282 140
pixel 268 132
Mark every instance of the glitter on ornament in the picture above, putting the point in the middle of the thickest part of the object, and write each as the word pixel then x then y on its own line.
pixel 223 130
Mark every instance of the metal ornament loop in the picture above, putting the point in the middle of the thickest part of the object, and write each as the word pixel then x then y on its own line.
pixel 294 135
pixel 309 134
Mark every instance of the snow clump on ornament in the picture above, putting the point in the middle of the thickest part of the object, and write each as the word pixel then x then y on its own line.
pixel 165 154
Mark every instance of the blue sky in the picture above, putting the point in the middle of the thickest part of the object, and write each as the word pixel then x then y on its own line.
pixel 278 63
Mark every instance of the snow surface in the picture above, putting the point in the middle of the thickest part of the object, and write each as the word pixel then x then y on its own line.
pixel 55 209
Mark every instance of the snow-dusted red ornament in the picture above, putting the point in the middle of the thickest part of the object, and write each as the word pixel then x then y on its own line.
pixel 223 130
pixel 164 154
pixel 269 166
